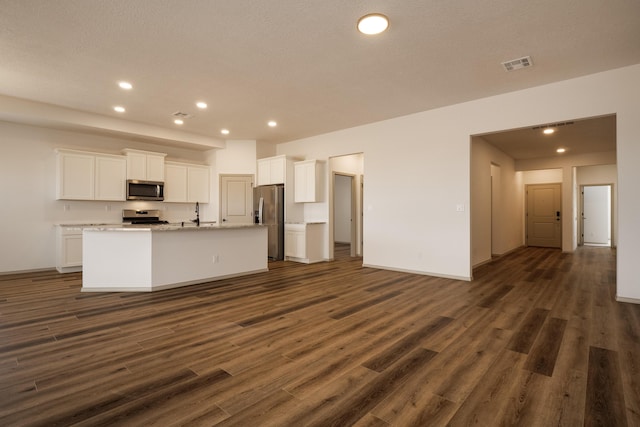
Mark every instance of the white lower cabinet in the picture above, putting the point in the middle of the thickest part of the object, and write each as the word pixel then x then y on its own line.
pixel 69 251
pixel 303 242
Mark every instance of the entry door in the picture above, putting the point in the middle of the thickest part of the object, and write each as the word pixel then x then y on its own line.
pixel 236 199
pixel 544 215
pixel 596 214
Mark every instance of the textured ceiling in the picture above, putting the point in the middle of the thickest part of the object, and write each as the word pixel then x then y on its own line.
pixel 301 63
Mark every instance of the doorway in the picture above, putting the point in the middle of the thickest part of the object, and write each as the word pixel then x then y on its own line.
pixel 544 215
pixel 346 174
pixel 596 213
pixel 344 213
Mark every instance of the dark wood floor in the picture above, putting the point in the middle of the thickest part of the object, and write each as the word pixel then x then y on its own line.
pixel 536 339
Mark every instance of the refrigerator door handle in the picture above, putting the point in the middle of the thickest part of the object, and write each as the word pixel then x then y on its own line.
pixel 260 208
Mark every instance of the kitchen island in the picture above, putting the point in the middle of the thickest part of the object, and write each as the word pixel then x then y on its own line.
pixel 151 258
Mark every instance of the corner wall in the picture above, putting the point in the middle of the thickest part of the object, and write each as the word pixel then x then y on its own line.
pixel 418 170
pixel 495 229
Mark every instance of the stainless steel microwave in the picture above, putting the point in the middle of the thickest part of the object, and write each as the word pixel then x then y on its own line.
pixel 145 190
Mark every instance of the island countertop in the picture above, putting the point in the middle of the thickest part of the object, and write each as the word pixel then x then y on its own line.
pixel 170 227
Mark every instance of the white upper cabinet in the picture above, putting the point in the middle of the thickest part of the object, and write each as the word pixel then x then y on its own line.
pixel 185 183
pixel 110 176
pixel 76 175
pixel 90 176
pixel 308 181
pixel 272 170
pixel 175 182
pixel 145 165
pixel 198 184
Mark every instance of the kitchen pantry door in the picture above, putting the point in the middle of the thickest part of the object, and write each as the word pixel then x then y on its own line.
pixel 236 199
pixel 544 215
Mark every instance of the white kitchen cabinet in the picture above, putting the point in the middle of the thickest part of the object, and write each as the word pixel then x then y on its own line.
pixel 272 170
pixel 90 176
pixel 198 184
pixel 308 181
pixel 145 165
pixel 185 183
pixel 69 251
pixel 175 183
pixel 75 175
pixel 303 242
pixel 110 177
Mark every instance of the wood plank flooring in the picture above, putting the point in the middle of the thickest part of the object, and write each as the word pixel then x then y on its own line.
pixel 537 339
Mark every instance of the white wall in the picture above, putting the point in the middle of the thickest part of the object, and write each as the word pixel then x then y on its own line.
pixel 239 157
pixel 542 176
pixel 28 210
pixel 418 170
pixel 495 229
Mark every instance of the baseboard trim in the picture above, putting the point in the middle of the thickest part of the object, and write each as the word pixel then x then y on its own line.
pixel 154 288
pixel 629 300
pixel 422 273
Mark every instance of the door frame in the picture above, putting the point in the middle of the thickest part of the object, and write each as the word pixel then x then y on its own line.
pixel 581 217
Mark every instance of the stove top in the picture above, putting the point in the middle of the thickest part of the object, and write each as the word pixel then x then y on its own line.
pixel 151 216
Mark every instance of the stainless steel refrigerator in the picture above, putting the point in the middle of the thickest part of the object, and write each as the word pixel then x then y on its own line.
pixel 268 207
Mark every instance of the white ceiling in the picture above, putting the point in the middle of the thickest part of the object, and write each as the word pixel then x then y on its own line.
pixel 594 135
pixel 301 63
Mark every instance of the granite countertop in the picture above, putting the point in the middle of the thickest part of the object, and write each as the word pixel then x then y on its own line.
pixel 171 227
pixel 306 222
pixel 90 224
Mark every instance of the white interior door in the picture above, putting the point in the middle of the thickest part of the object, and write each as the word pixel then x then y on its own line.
pixel 236 199
pixel 544 215
pixel 596 215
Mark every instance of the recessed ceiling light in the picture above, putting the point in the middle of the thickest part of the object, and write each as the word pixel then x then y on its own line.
pixel 373 23
pixel 201 105
pixel 119 109
pixel 560 150
pixel 548 131
pixel 125 85
pixel 225 131
pixel 272 123
pixel 178 121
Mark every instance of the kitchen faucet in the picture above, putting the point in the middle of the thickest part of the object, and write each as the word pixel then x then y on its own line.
pixel 197 220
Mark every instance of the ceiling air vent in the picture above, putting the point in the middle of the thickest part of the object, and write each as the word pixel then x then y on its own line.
pixel 516 64
pixel 181 115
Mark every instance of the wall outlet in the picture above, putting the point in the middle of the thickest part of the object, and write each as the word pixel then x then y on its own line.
pixel 460 208
pixel 67 208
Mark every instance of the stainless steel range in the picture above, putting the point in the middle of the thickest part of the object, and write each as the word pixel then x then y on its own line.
pixel 151 216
